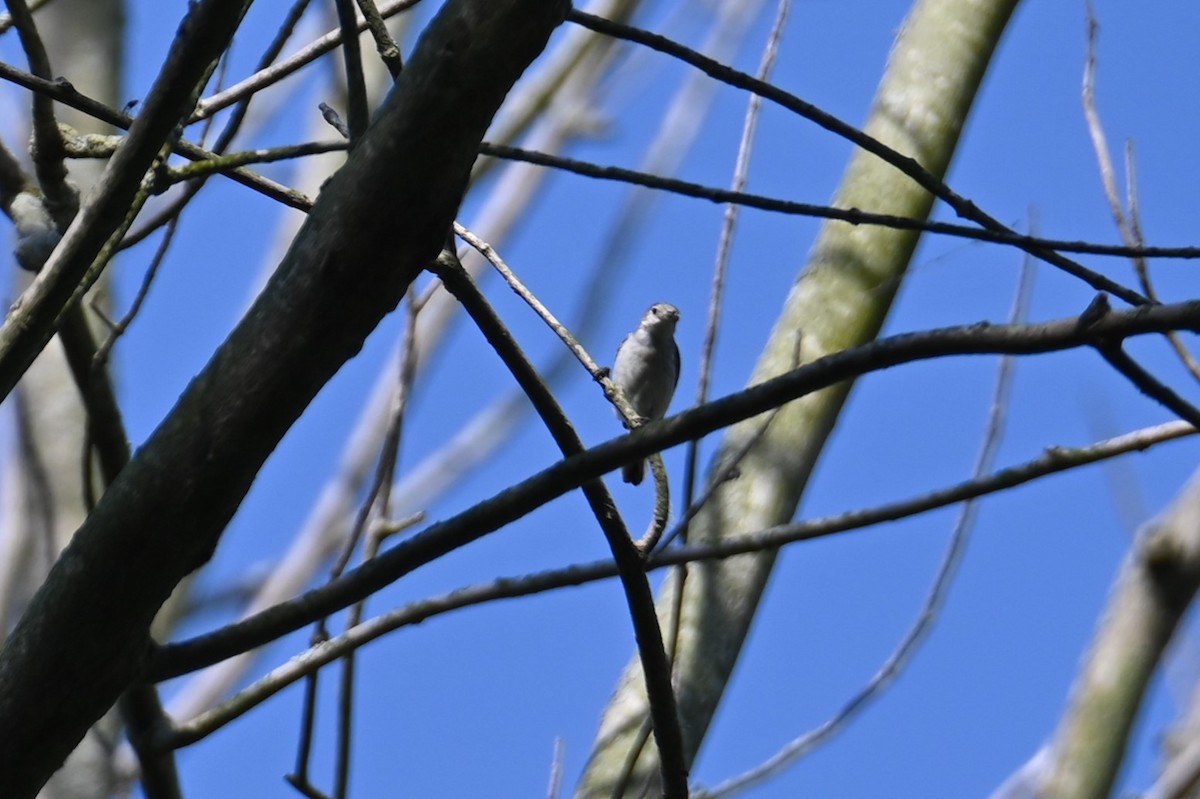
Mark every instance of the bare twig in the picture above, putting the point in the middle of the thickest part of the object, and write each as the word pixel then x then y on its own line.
pixel 277 72
pixel 63 92
pixel 556 769
pixel 356 83
pixel 119 327
pixel 934 601
pixel 375 504
pixel 232 127
pixel 522 291
pixel 909 166
pixel 385 45
pixel 1129 226
pixel 224 163
pixel 725 243
pixel 62 198
pixel 852 216
pixel 308 713
pixel 1148 384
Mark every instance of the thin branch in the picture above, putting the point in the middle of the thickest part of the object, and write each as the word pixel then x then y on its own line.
pixel 556 769
pixel 522 291
pixel 103 146
pixel 1129 226
pixel 725 243
pixel 727 468
pixel 378 496
pixel 119 327
pixel 63 92
pixel 1053 461
pixel 232 126
pixel 1148 384
pixel 223 164
pixel 345 727
pixel 514 502
pixel 266 77
pixel 1137 239
pixel 639 598
pixel 934 601
pixel 385 45
pixel 628 415
pixel 62 198
pixel 852 216
pixel 298 779
pixel 356 83
pixel 909 166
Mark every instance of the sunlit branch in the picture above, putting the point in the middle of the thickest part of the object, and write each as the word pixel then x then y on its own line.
pixel 567 475
pixel 909 166
pixel 1053 461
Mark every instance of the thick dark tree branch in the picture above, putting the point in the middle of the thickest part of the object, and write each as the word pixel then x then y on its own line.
pixel 383 217
pixel 569 474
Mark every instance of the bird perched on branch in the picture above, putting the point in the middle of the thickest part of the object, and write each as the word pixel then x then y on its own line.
pixel 647 370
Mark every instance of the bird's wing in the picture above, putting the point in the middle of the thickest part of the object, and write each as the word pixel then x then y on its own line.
pixel 675 356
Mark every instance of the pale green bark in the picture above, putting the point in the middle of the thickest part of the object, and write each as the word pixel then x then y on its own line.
pixel 85 43
pixel 840 301
pixel 1155 587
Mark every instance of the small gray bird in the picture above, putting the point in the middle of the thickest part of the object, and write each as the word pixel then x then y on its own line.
pixel 647 370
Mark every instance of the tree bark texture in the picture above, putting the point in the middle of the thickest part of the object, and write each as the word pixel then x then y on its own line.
pixel 376 225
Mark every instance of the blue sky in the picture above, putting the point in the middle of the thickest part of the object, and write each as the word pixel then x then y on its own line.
pixel 470 704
